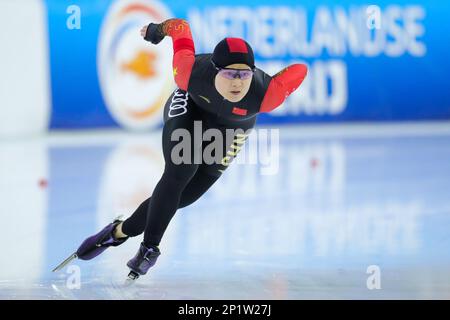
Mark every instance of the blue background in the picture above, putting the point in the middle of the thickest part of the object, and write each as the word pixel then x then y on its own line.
pixel 380 88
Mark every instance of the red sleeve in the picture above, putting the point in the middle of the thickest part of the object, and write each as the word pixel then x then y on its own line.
pixel 183 50
pixel 282 85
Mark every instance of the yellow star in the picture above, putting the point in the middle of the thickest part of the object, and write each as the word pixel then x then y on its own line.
pixel 175 72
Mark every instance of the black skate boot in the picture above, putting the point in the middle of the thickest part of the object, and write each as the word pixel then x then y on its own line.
pixel 95 245
pixel 144 259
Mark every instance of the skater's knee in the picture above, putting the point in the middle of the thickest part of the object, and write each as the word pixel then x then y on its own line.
pixel 179 174
pixel 201 182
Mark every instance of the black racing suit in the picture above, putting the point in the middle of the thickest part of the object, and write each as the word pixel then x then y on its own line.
pixel 197 99
pixel 182 184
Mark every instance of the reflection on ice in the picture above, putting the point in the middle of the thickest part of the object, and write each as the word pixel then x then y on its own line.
pixel 338 203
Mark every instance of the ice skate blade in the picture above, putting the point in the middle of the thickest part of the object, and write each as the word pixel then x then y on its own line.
pixel 65 262
pixel 133 275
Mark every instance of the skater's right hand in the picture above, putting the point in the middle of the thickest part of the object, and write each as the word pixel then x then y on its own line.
pixel 153 33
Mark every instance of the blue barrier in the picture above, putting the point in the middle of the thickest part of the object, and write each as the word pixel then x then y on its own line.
pixel 366 63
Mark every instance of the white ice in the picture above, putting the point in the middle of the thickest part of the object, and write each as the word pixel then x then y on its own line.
pixel 344 198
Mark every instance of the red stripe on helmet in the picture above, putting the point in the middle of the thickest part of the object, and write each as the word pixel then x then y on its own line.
pixel 237 45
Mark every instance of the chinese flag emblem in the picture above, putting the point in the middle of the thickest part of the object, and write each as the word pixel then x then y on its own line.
pixel 239 111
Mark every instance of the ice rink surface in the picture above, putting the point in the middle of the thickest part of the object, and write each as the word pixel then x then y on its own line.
pixel 342 204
